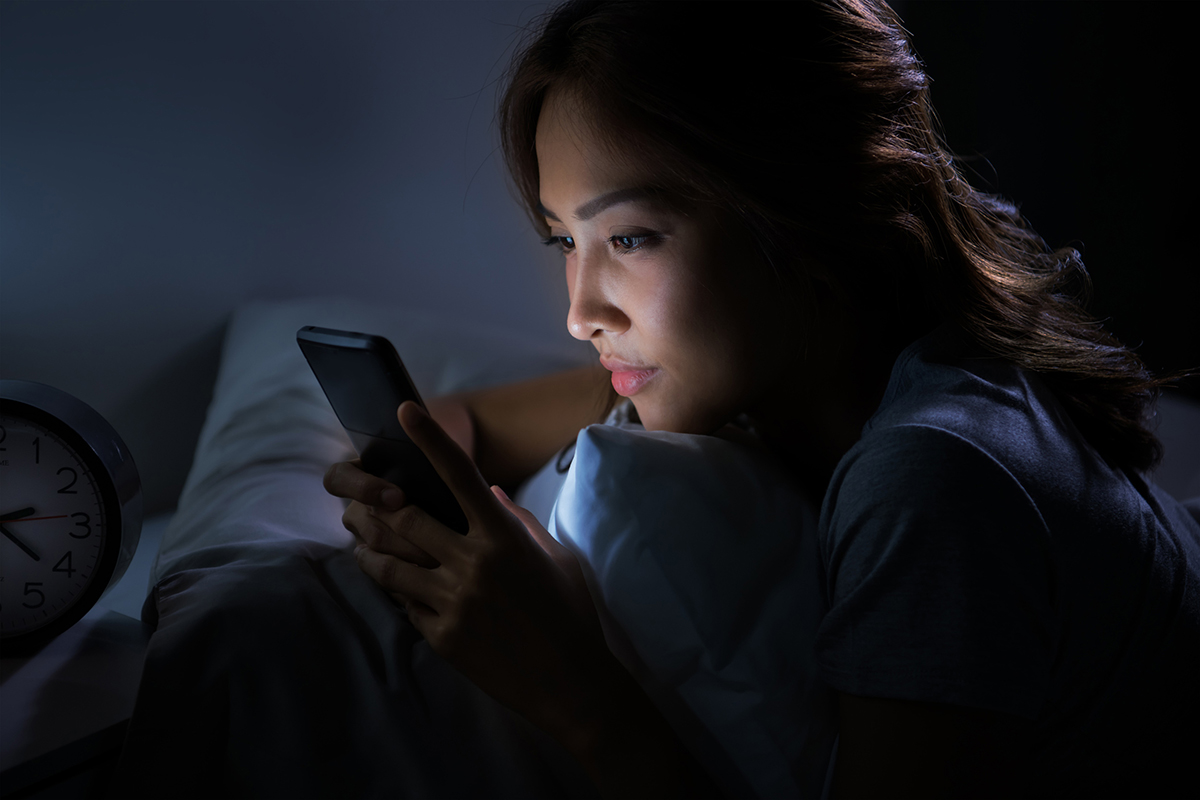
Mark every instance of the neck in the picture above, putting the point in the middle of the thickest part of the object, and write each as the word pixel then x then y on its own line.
pixel 810 436
pixel 813 419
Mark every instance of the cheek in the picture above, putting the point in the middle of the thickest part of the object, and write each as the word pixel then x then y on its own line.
pixel 706 356
pixel 721 362
pixel 671 322
pixel 707 333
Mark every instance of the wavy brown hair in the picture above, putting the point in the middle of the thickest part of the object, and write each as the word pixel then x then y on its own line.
pixel 811 122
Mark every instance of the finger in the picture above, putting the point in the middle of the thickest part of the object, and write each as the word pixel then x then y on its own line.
pixel 348 479
pixel 393 534
pixel 531 523
pixel 356 518
pixel 427 534
pixel 452 464
pixel 375 530
pixel 399 577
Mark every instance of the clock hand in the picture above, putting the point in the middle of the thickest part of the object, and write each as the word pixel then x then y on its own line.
pixel 20 544
pixel 35 519
pixel 10 516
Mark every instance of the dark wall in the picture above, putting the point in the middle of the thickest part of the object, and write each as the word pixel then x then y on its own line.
pixel 164 163
pixel 1084 114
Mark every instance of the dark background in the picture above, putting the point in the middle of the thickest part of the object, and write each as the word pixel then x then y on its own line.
pixel 164 163
pixel 1084 113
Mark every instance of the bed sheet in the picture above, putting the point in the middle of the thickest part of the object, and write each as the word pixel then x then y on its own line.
pixel 128 595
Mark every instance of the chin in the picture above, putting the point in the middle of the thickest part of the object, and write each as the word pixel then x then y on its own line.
pixel 656 418
pixel 651 416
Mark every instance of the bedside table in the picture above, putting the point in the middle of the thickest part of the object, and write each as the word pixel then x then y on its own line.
pixel 65 708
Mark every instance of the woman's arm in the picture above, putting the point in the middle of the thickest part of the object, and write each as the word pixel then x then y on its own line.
pixel 512 430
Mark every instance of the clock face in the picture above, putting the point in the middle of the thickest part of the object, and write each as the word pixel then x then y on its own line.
pixel 53 519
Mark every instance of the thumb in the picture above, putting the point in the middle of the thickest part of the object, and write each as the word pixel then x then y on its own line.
pixel 535 528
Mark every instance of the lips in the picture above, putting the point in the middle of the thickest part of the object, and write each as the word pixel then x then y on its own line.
pixel 628 379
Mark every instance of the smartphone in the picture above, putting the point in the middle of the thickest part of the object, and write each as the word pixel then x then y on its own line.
pixel 365 382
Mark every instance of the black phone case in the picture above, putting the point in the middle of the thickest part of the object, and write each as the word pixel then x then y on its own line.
pixel 365 381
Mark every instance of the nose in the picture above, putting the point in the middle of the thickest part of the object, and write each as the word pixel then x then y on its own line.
pixel 592 290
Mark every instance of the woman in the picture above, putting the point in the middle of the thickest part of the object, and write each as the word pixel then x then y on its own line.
pixel 757 217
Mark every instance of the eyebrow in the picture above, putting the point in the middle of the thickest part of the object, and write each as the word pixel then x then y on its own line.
pixel 597 204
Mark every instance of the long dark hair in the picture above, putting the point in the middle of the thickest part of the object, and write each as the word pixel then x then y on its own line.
pixel 811 122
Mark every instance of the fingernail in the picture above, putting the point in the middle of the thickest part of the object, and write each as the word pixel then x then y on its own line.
pixel 501 492
pixel 392 497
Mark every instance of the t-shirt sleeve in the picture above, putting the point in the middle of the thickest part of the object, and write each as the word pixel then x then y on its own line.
pixel 938 576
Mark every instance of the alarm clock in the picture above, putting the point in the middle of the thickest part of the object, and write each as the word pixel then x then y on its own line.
pixel 70 511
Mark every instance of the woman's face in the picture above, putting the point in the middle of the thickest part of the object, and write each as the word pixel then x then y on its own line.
pixel 673 301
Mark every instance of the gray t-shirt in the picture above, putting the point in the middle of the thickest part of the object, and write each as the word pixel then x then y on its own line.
pixel 978 552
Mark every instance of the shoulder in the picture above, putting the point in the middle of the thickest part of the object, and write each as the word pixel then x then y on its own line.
pixel 938 562
pixel 938 576
pixel 955 439
pixel 914 500
pixel 958 428
pixel 1007 412
pixel 921 471
pixel 977 552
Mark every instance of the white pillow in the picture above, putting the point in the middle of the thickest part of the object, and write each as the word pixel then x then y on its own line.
pixel 270 434
pixel 703 560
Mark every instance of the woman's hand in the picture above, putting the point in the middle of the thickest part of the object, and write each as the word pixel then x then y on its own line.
pixel 372 497
pixel 508 606
pixel 506 603
pixel 453 415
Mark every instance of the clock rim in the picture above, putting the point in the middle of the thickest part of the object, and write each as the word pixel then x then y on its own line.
pixel 87 434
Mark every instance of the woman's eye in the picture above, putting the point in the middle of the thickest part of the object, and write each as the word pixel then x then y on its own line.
pixel 630 243
pixel 624 244
pixel 564 243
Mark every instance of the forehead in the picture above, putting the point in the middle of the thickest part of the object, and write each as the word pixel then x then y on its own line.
pixel 572 156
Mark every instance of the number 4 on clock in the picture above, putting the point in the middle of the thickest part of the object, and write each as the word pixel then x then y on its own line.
pixel 64 565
